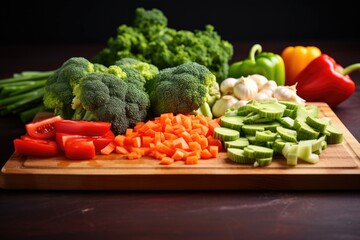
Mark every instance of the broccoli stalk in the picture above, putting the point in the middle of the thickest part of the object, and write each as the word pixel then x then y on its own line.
pixel 22 92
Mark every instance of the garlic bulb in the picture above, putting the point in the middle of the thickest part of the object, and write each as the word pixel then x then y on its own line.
pixel 227 85
pixel 260 80
pixel 288 93
pixel 263 95
pixel 270 84
pixel 245 89
pixel 221 105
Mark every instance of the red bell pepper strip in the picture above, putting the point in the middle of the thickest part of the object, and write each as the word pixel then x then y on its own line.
pixel 323 80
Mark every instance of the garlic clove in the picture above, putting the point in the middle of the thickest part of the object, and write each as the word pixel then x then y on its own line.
pixel 259 79
pixel 245 89
pixel 220 106
pixel 227 85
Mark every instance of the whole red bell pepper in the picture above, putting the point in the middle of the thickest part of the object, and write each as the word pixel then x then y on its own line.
pixel 323 80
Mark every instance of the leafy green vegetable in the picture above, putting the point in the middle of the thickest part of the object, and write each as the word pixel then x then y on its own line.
pixel 150 39
pixel 22 94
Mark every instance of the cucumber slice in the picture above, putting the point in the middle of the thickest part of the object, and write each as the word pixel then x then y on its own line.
pixel 335 136
pixel 233 122
pixel 238 143
pixel 313 158
pixel 251 129
pixel 290 104
pixel 287 134
pixel 304 150
pixel 304 131
pixel 262 162
pixel 290 154
pixel 287 122
pixel 254 151
pixel 319 124
pixel 226 134
pixel 269 109
pixel 265 136
pixel 237 155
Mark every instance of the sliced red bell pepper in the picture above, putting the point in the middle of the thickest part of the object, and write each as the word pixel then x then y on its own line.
pixel 323 80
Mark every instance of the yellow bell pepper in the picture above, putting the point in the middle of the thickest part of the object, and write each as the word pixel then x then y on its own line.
pixel 296 58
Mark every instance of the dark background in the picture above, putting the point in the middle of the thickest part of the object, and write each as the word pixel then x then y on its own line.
pixel 93 22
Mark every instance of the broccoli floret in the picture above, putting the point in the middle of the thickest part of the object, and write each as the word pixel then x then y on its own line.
pixel 149 39
pixel 151 22
pixel 180 89
pixel 81 90
pixel 106 97
pixel 59 86
pixel 147 70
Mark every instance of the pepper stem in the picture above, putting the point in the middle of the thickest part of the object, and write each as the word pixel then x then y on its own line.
pixel 350 69
pixel 255 48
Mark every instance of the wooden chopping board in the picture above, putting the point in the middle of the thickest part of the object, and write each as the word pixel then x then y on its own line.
pixel 338 169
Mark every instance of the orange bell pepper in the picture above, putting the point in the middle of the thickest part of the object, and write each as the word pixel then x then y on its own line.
pixel 296 58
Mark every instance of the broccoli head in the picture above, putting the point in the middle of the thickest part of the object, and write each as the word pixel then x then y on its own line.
pixel 180 89
pixel 150 40
pixel 103 96
pixel 59 86
pixel 82 90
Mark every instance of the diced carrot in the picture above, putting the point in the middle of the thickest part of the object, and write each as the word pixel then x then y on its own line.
pixel 138 126
pixel 120 140
pixel 195 136
pixel 203 120
pixel 162 148
pixel 214 150
pixel 168 128
pixel 178 155
pixel 194 153
pixel 194 146
pixel 136 142
pixel 159 155
pixel 180 143
pixel 204 143
pixel 146 140
pixel 108 148
pixel 133 155
pixel 187 123
pixel 156 126
pixel 170 137
pixel 215 142
pixel 150 132
pixel 192 160
pixel 178 129
pixel 121 150
pixel 212 124
pixel 186 136
pixel 138 150
pixel 167 160
pixel 206 154
pixel 143 128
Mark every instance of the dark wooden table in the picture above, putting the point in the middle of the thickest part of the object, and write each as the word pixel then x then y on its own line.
pixel 31 214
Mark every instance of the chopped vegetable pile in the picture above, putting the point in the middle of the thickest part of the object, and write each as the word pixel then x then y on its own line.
pixel 255 132
pixel 171 95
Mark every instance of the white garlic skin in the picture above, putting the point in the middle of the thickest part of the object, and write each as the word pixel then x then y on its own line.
pixel 221 105
pixel 227 86
pixel 245 89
